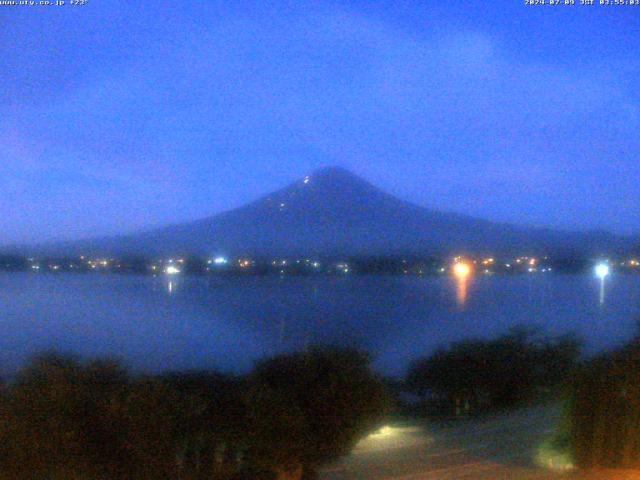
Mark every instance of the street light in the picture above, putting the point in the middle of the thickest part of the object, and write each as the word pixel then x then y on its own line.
pixel 461 270
pixel 602 271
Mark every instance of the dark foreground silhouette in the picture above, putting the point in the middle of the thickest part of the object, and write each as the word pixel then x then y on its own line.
pixel 63 419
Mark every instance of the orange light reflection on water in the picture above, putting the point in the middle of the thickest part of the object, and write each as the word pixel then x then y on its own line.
pixel 462 272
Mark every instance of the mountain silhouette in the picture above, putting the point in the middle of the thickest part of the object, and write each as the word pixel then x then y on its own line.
pixel 334 212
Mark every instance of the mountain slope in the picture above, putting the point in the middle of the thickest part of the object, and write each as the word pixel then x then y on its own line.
pixel 335 212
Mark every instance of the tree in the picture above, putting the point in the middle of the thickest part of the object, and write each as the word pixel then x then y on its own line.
pixel 214 429
pixel 500 373
pixel 605 410
pixel 309 408
pixel 57 417
pixel 63 419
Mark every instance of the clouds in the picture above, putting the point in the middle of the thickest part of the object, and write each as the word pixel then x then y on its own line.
pixel 218 105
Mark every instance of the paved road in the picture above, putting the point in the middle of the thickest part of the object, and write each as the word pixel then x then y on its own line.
pixel 493 449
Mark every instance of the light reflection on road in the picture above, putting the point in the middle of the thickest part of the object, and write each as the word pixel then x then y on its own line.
pixel 494 448
pixel 392 437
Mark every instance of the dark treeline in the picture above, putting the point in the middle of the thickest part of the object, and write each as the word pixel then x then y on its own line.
pixel 13 263
pixel 61 419
pixel 476 376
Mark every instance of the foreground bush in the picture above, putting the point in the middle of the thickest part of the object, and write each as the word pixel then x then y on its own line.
pixel 605 411
pixel 310 408
pixel 62 419
pixel 480 375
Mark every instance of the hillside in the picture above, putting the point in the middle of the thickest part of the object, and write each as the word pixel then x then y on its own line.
pixel 332 211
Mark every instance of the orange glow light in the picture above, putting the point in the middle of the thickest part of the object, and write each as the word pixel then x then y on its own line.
pixel 461 269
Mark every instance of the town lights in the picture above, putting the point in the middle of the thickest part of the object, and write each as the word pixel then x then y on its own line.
pixel 171 270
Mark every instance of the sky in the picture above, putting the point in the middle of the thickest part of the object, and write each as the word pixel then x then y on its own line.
pixel 119 116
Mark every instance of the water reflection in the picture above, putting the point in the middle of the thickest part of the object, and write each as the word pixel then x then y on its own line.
pixel 171 284
pixel 602 271
pixel 462 272
pixel 182 322
pixel 462 291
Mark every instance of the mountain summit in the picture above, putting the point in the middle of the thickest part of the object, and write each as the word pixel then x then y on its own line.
pixel 334 212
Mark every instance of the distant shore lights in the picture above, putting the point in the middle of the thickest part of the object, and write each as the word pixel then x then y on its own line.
pixel 172 270
pixel 461 271
pixel 602 271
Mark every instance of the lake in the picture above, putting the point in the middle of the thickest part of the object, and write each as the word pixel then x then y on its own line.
pixel 156 323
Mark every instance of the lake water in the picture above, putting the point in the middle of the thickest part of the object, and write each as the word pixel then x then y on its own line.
pixel 154 324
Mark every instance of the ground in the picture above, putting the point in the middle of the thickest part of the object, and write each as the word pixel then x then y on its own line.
pixel 496 448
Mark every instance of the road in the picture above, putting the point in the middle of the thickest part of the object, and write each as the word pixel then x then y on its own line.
pixel 502 447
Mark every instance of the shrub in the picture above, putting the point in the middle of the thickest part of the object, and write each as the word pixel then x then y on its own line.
pixel 310 408
pixel 480 375
pixel 605 410
pixel 63 419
